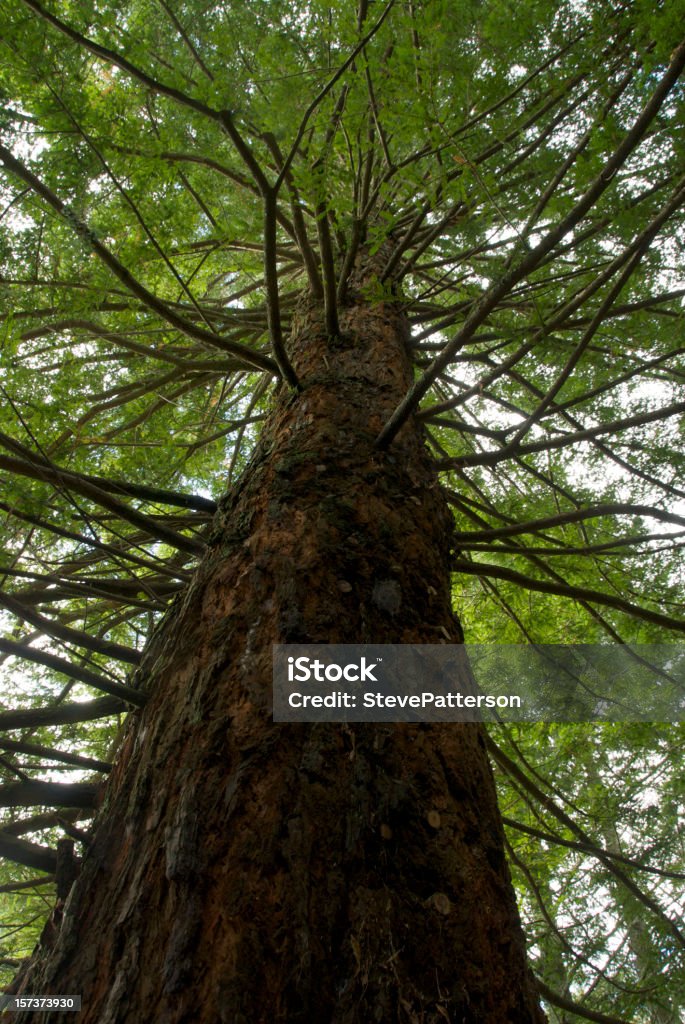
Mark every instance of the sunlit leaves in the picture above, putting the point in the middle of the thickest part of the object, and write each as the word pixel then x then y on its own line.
pixel 458 138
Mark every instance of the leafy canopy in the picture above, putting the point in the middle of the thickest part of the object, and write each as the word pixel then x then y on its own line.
pixel 173 175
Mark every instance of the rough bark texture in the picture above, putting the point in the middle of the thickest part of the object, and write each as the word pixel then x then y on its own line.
pixel 246 872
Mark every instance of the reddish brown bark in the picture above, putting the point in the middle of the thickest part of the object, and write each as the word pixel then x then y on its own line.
pixel 248 872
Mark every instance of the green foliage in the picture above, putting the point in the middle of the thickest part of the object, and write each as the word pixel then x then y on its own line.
pixel 139 343
pixel 590 924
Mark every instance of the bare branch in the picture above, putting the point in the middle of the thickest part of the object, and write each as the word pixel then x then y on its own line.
pixel 72 636
pixel 48 794
pixel 72 671
pixel 63 714
pixel 62 756
pixel 31 855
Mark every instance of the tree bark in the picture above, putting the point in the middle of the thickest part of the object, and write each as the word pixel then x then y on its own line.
pixel 248 872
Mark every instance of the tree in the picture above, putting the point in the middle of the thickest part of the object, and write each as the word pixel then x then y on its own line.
pixel 312 257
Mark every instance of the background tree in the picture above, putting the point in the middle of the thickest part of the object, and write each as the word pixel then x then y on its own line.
pixel 185 187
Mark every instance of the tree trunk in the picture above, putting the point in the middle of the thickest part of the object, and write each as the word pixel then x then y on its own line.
pixel 243 871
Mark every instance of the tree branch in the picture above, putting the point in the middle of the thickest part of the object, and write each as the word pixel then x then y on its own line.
pixel 572 1007
pixel 40 750
pixel 83 675
pixel 587 847
pixel 49 794
pixel 40 469
pixel 64 714
pixel 532 258
pixel 564 590
pixel 549 444
pixel 72 636
pixel 245 355
pixel 31 855
pixel 319 98
pixel 512 769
